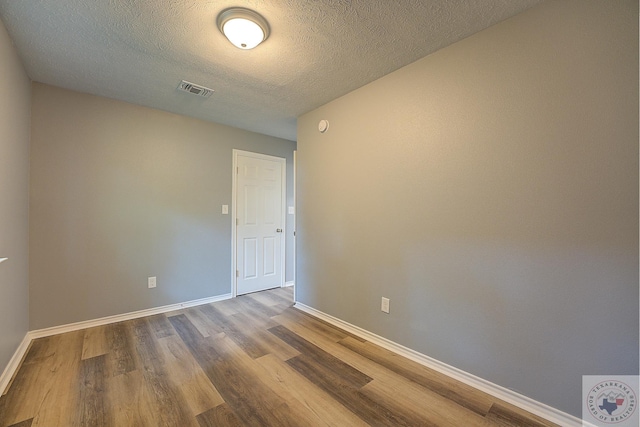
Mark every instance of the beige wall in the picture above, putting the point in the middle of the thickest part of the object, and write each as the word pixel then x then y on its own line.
pixel 15 104
pixel 121 192
pixel 490 190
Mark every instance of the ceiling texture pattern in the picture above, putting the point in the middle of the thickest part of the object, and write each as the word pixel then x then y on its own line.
pixel 139 50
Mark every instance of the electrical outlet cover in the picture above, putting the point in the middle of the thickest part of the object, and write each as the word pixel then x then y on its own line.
pixel 385 305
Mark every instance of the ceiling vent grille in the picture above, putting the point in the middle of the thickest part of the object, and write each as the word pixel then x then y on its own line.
pixel 195 89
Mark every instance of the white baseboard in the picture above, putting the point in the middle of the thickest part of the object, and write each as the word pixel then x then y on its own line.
pixel 39 333
pixel 533 406
pixel 287 284
pixel 14 363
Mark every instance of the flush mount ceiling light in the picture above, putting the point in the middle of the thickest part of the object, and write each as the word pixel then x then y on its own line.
pixel 243 27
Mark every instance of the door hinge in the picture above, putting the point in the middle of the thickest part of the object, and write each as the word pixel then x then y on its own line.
pixel 237 273
pixel 237 221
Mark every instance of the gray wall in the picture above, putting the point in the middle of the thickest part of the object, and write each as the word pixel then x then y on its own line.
pixel 490 190
pixel 121 192
pixel 15 105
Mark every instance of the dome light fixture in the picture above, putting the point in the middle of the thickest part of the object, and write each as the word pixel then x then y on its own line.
pixel 244 28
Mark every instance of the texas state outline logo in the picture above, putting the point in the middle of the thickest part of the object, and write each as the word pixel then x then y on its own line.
pixel 611 400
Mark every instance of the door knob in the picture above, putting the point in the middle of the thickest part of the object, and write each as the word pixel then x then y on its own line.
pixel 279 230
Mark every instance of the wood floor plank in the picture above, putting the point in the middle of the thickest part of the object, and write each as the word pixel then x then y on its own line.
pixel 264 298
pixel 3 409
pixel 250 301
pixel 204 325
pixel 280 301
pixel 235 331
pixel 93 410
pixel 121 355
pixel 311 396
pixel 386 376
pixel 465 398
pixel 505 414
pixel 335 383
pixel 347 394
pixel 201 321
pixel 354 360
pixel 165 398
pixel 200 393
pixel 62 393
pixel 330 332
pixel 262 337
pixel 220 416
pixel 227 307
pixel 291 409
pixel 411 400
pixel 253 402
pixel 284 295
pixel 453 390
pixel 260 318
pixel 128 402
pixel 28 389
pixel 146 354
pixel 227 379
pixel 25 423
pixel 301 315
pixel 348 373
pixel 95 342
pixel 326 344
pixel 161 326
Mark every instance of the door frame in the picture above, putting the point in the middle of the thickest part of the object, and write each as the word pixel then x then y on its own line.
pixel 234 217
pixel 295 221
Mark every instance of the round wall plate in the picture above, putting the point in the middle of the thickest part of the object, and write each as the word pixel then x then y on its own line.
pixel 323 125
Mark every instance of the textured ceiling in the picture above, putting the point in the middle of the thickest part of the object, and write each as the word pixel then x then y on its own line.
pixel 139 50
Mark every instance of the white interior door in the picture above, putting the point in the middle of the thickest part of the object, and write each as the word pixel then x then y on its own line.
pixel 260 222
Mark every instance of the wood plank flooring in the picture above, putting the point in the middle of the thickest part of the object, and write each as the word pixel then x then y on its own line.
pixel 249 361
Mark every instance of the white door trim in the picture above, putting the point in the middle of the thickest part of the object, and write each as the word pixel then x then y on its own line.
pixel 295 220
pixel 234 255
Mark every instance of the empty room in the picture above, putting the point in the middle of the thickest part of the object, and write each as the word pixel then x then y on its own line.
pixel 187 237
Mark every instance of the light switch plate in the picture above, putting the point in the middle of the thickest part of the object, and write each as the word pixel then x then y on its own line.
pixel 292 210
pixel 151 282
pixel 225 209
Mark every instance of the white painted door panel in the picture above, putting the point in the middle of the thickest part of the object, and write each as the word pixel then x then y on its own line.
pixel 259 232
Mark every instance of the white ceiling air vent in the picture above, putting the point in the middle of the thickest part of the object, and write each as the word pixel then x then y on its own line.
pixel 195 89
